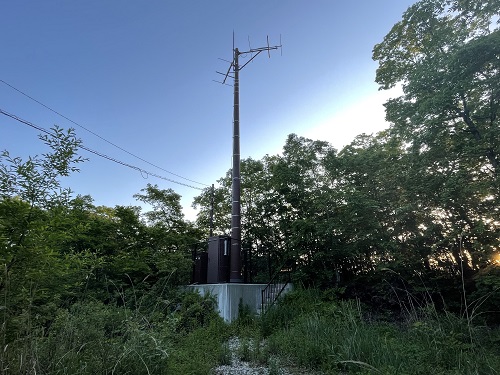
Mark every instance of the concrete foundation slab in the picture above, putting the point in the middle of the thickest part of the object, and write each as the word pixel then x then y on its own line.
pixel 229 295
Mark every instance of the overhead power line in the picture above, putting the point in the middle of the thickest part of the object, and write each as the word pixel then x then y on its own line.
pixel 97 135
pixel 142 171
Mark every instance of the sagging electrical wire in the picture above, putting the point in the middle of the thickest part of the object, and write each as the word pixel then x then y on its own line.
pixel 97 135
pixel 142 171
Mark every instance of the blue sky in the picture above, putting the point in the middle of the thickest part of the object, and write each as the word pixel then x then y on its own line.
pixel 139 74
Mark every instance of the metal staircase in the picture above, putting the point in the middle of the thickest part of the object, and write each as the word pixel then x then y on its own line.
pixel 274 289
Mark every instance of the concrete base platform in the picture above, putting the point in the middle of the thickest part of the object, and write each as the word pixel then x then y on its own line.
pixel 229 296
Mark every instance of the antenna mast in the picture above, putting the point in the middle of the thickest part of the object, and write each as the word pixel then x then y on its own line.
pixel 235 275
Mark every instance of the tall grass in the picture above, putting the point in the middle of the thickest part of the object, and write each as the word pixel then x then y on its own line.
pixel 333 337
pixel 92 338
pixel 309 329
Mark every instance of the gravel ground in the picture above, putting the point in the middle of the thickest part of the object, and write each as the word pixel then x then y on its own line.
pixel 238 367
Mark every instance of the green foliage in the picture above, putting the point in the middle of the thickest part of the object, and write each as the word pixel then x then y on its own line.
pixel 430 29
pixel 444 54
pixel 246 321
pixel 35 277
pixel 485 300
pixel 336 337
pixel 96 338
pixel 88 289
pixel 225 355
pixel 89 338
pixel 201 350
pixel 37 180
pixel 197 311
pixel 295 303
pixel 245 350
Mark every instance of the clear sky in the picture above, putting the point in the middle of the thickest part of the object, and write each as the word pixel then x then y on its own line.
pixel 139 74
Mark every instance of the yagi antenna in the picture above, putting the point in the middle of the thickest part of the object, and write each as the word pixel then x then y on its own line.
pixel 254 53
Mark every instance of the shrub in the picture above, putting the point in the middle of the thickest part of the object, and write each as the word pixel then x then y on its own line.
pixel 196 311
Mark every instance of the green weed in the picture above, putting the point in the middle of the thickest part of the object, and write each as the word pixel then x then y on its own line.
pixel 336 338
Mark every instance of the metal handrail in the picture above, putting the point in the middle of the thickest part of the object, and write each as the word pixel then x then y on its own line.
pixel 274 288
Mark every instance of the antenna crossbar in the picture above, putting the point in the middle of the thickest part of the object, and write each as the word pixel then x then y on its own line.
pixel 257 51
pixel 253 50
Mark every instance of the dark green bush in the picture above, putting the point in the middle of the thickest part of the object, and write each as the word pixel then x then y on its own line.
pixel 196 311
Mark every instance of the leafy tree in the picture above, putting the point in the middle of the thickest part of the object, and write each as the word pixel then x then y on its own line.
pixel 281 204
pixel 219 197
pixel 167 229
pixel 134 253
pixel 36 180
pixel 445 55
pixel 304 205
pixel 254 183
pixel 34 277
pixel 167 209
